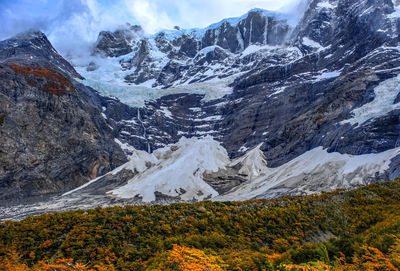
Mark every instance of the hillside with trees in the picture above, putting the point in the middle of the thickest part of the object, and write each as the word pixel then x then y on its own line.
pixel 342 230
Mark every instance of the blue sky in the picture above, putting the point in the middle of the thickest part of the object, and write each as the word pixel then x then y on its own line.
pixel 72 24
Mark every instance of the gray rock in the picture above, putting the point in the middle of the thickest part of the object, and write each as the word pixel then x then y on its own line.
pixel 52 134
pixel 119 42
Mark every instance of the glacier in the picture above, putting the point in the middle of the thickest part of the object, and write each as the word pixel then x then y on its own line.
pixel 383 103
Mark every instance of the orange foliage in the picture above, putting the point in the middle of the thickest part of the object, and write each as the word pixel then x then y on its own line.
pixel 277 258
pixel 47 243
pixel 62 265
pixel 190 259
pixel 255 235
pixel 374 259
pixel 11 262
pixel 56 83
pixel 317 267
pixel 59 265
pixel 371 260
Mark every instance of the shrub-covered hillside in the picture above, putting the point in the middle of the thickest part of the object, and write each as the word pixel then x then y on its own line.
pixel 343 230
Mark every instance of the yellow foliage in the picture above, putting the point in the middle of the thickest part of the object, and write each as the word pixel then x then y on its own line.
pixel 315 267
pixel 182 258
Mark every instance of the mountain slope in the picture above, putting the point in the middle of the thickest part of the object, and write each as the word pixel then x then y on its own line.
pixel 53 137
pixel 292 104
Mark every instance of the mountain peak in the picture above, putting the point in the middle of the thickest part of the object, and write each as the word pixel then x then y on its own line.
pixel 120 41
pixel 30 34
pixel 32 48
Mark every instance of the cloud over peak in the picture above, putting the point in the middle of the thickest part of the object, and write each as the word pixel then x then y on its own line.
pixel 73 25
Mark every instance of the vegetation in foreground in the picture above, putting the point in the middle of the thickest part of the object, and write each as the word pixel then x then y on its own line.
pixel 343 230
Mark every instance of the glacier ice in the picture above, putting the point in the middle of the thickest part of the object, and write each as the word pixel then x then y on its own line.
pixel 385 95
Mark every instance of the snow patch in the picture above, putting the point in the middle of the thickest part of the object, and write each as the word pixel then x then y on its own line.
pixel 166 112
pixel 383 103
pixel 327 75
pixel 326 4
pixel 396 13
pixel 207 50
pixel 310 43
pixel 251 49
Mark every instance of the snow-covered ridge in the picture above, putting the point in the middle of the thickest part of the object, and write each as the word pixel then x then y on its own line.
pixel 303 175
pixel 252 164
pixel 178 57
pixel 178 171
pixel 172 34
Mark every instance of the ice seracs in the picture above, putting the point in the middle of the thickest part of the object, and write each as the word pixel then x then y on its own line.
pixel 252 164
pixel 178 171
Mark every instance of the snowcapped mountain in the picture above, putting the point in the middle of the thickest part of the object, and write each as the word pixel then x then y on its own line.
pixel 181 57
pixel 258 106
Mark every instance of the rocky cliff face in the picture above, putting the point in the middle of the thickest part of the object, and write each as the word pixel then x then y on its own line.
pixel 53 136
pixel 289 109
pixel 119 42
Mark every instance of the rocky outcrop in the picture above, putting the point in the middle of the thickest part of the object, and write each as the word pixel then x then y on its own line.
pixel 53 136
pixel 119 42
pixel 258 27
pixel 32 48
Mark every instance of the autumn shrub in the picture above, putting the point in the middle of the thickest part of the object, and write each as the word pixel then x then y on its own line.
pixel 55 84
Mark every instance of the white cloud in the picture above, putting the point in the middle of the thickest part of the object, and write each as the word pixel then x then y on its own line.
pixel 149 15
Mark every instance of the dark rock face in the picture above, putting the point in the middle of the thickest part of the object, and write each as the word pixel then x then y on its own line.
pixel 52 134
pixel 118 43
pixel 257 28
